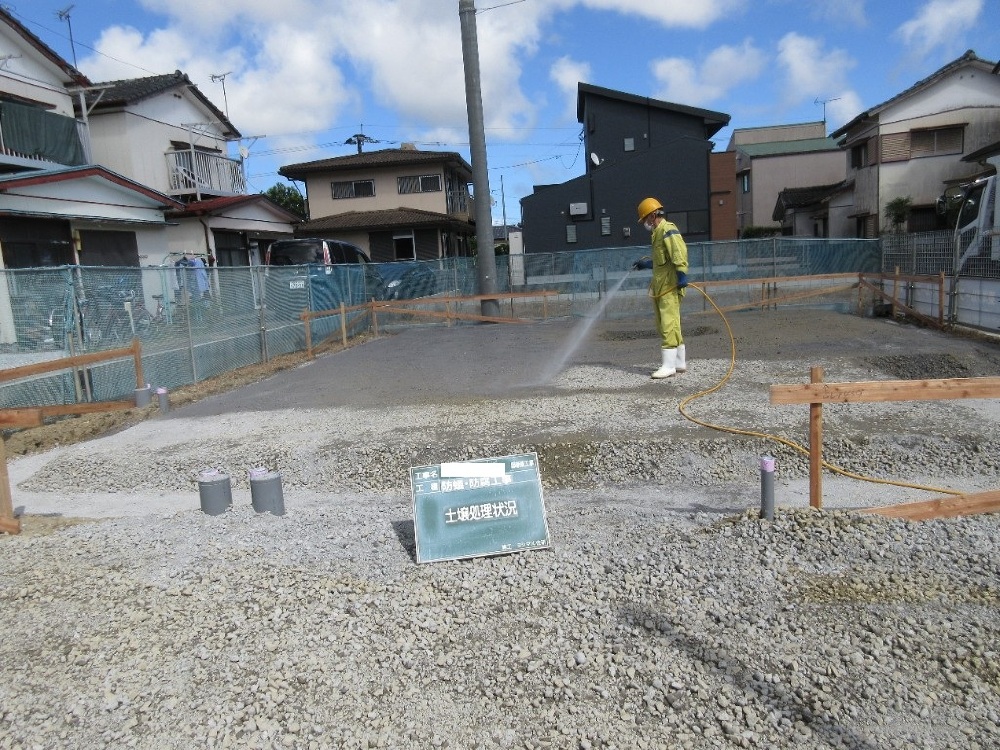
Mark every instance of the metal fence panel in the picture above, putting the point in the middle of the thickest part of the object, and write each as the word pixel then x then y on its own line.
pixel 195 324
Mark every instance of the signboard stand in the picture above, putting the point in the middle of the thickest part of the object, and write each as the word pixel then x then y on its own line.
pixel 489 506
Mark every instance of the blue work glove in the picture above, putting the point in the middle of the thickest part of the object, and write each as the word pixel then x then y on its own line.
pixel 643 264
pixel 682 279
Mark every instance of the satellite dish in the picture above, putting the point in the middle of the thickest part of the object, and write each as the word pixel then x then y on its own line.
pixel 244 152
pixel 597 160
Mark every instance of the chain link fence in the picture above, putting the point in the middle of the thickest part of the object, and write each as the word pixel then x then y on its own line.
pixel 972 280
pixel 195 323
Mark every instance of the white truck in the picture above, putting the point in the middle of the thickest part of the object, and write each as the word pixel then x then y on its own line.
pixel 977 230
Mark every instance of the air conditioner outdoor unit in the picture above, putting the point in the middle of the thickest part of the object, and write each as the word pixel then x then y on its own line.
pixel 577 209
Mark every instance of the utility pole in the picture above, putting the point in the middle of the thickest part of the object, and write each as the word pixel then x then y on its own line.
pixel 486 263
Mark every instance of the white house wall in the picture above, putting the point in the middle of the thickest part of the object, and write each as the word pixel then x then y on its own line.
pixel 967 97
pixel 322 203
pixel 96 199
pixel 135 143
pixel 965 89
pixel 188 236
pixel 32 76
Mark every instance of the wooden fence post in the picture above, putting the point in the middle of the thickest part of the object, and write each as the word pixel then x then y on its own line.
pixel 816 445
pixel 941 298
pixel 140 380
pixel 343 325
pixel 8 523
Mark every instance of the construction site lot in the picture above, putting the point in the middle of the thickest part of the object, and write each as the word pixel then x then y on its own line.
pixel 560 365
pixel 662 612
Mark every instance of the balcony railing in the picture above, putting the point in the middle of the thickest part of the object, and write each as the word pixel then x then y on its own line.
pixel 204 174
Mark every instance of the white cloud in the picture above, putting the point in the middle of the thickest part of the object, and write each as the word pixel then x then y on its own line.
pixel 726 67
pixel 567 75
pixel 811 73
pixel 940 23
pixel 303 66
pixel 840 12
pixel 695 14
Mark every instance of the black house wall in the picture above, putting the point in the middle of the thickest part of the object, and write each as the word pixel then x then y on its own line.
pixel 670 161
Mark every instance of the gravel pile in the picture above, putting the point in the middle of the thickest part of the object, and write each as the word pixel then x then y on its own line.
pixel 318 630
pixel 666 614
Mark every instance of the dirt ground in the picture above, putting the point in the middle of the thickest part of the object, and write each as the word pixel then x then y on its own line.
pixel 70 430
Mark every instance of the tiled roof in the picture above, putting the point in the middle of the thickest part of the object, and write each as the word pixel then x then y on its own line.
pixel 62 174
pixel 218 205
pixel 385 219
pixel 969 58
pixel 804 196
pixel 783 148
pixel 112 94
pixel 388 157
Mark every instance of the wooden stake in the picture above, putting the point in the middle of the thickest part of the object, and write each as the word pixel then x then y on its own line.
pixel 8 523
pixel 307 319
pixel 140 380
pixel 816 445
pixel 343 325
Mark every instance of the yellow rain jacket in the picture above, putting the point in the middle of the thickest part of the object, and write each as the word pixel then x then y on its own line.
pixel 669 256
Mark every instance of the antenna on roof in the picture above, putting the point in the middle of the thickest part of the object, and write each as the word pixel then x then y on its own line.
pixel 64 16
pixel 360 139
pixel 216 77
pixel 823 102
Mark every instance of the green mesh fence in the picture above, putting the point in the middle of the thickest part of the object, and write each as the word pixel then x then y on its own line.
pixel 196 324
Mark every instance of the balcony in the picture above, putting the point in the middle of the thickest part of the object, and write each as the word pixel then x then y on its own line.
pixel 32 138
pixel 204 175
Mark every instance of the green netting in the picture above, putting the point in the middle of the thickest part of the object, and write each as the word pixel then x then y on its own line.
pixel 196 324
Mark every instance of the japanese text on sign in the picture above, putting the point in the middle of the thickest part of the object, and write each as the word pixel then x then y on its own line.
pixel 481 512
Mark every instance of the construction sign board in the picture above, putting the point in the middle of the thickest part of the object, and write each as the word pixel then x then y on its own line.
pixel 488 506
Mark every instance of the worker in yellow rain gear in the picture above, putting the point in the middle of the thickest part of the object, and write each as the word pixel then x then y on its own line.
pixel 669 261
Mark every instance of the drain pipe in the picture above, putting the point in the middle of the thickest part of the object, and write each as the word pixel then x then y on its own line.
pixel 767 488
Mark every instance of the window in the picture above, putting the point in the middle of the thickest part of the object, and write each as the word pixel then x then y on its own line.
pixel 630 144
pixel 745 182
pixel 571 233
pixel 353 189
pixel 859 156
pixel 935 142
pixel 428 183
pixel 914 144
pixel 605 225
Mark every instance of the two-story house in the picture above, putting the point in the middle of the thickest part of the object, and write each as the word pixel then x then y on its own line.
pixel 912 145
pixel 56 206
pixel 636 148
pixel 162 131
pixel 396 204
pixel 775 158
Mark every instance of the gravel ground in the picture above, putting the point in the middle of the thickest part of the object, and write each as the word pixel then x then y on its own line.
pixel 665 615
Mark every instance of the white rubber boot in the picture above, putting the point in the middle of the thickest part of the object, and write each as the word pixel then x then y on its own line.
pixel 682 365
pixel 668 368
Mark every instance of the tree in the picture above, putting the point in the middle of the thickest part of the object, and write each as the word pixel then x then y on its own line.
pixel 288 198
pixel 897 211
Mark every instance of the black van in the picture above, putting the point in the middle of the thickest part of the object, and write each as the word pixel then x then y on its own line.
pixel 338 271
pixel 301 252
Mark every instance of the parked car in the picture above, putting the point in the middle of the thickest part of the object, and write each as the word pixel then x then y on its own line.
pixel 408 279
pixel 338 272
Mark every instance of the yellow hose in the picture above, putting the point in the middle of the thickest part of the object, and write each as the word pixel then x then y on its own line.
pixel 767 436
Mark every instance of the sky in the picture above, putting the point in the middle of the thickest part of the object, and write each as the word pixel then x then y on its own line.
pixel 298 78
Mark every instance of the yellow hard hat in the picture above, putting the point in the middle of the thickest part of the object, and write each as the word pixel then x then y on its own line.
pixel 647 207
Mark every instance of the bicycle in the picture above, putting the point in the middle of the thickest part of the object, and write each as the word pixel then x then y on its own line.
pixel 117 316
